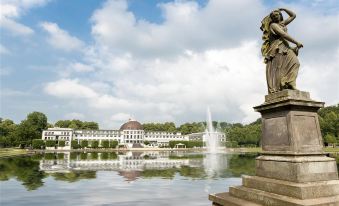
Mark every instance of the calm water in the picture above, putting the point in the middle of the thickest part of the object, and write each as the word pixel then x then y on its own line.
pixel 133 178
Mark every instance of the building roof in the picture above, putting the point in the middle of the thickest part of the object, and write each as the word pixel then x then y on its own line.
pixel 131 125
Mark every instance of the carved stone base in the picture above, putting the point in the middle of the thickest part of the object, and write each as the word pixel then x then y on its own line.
pixel 297 168
pixel 292 170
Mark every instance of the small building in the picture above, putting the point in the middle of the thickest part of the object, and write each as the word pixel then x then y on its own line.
pixel 57 134
pixel 201 136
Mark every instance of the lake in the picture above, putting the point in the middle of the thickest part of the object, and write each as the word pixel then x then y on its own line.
pixel 132 178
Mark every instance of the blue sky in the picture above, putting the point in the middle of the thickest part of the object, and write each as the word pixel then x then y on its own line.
pixel 155 61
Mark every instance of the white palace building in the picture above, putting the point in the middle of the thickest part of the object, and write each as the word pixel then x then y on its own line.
pixel 131 134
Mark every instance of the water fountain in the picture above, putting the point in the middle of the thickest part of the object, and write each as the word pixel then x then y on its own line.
pixel 214 161
pixel 211 135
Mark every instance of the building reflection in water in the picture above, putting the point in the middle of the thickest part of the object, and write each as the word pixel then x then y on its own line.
pixel 130 165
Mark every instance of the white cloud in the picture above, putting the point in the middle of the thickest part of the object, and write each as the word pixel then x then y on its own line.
pixel 197 57
pixel 61 39
pixel 15 27
pixel 67 88
pixel 12 10
pixel 79 67
pixel 186 26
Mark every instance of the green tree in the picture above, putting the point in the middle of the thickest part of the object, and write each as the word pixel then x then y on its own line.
pixel 105 143
pixel 330 139
pixel 74 144
pixel 63 123
pixel 50 143
pixel 84 143
pixel 113 144
pixel 38 144
pixel 62 143
pixel 95 144
pixel 90 125
pixel 73 125
pixel 7 128
pixel 146 142
pixel 30 128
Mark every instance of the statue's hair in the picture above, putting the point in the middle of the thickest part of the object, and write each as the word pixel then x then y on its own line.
pixel 265 27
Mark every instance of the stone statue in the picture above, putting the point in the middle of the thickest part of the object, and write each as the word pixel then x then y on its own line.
pixel 281 60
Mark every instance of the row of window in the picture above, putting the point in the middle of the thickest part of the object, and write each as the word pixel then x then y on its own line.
pixel 60 138
pixel 98 132
pixel 134 132
pixel 134 141
pixel 52 133
pixel 80 135
pixel 174 137
pixel 133 137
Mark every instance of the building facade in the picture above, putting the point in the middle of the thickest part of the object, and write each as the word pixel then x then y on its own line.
pixel 131 134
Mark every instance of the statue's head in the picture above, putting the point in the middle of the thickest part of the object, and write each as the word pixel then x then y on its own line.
pixel 276 16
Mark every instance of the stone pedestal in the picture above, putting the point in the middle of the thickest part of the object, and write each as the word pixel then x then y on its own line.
pixel 293 169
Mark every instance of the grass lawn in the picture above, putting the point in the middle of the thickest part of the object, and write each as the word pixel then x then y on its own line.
pixel 7 152
pixel 331 149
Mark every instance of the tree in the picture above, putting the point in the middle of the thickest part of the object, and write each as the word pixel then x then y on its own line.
pixel 95 144
pixel 330 139
pixel 90 125
pixel 105 143
pixel 62 143
pixel 113 144
pixel 7 128
pixel 146 142
pixel 84 143
pixel 63 123
pixel 30 128
pixel 74 144
pixel 73 125
pixel 38 144
pixel 50 143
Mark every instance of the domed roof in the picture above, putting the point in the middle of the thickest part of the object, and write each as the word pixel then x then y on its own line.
pixel 131 125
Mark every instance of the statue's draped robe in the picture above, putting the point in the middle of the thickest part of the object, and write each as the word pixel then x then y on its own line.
pixel 282 64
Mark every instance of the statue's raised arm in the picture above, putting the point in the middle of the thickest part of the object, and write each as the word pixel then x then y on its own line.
pixel 281 60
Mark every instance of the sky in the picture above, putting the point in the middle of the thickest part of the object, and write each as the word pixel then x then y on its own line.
pixel 154 61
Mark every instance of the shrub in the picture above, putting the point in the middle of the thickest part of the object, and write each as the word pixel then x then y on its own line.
pixel 84 143
pixel 146 142
pixel 61 143
pixel 49 156
pixel 231 144
pixel 73 155
pixel 95 144
pixel 61 155
pixel 105 143
pixel 191 144
pixel 113 155
pixel 94 155
pixel 74 144
pixel 38 143
pixel 83 156
pixel 113 144
pixel 104 156
pixel 50 143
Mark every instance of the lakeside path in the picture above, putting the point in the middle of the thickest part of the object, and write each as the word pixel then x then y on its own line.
pixel 8 152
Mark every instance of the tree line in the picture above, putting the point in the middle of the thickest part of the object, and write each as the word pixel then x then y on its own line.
pixel 237 134
pixel 22 134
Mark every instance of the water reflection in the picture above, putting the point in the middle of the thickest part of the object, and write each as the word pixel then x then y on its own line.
pixel 72 167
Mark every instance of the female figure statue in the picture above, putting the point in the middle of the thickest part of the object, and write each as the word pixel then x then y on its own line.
pixel 281 60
